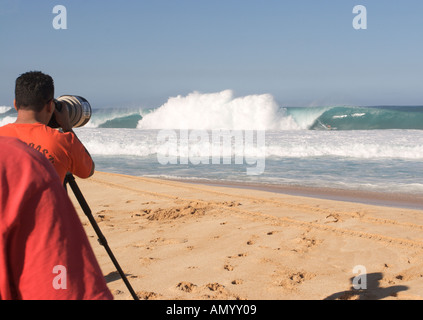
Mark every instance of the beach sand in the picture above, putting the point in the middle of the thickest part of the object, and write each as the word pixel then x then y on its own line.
pixel 178 240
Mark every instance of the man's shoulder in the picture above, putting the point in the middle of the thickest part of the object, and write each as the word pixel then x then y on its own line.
pixel 43 133
pixel 7 127
pixel 22 126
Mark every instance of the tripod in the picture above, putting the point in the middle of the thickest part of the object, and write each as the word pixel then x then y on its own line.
pixel 70 179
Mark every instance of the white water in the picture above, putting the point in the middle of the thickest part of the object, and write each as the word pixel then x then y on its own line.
pixel 219 111
pixel 4 109
pixel 375 144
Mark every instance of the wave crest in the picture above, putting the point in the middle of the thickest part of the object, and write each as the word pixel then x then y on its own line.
pixel 219 110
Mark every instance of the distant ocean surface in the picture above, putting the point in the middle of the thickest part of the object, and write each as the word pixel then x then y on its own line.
pixel 376 148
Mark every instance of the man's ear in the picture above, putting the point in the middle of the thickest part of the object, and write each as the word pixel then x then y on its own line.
pixel 50 106
pixel 14 104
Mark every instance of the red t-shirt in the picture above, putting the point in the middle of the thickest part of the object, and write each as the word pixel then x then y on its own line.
pixel 44 251
pixel 63 150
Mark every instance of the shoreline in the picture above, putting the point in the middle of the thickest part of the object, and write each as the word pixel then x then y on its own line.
pixel 395 200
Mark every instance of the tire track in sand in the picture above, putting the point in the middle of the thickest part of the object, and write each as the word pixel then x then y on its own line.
pixel 271 218
pixel 305 208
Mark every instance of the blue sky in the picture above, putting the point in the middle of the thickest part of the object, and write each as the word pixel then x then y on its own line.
pixel 139 53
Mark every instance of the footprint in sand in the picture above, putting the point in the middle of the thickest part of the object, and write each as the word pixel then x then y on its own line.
pixel 220 292
pixel 244 254
pixel 290 280
pixel 145 295
pixel 228 267
pixel 215 286
pixel 186 286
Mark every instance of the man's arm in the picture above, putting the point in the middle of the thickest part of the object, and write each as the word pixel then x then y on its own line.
pixel 62 118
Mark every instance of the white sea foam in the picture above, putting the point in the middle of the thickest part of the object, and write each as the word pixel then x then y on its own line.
pixel 219 111
pixel 340 117
pixel 378 160
pixel 117 142
pixel 356 115
pixel 4 109
pixel 378 144
pixel 7 120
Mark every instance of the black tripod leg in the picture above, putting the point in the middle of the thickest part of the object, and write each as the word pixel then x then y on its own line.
pixel 78 194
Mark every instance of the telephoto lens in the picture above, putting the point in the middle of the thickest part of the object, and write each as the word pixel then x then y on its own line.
pixel 79 111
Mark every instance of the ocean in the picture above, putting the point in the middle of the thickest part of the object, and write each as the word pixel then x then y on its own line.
pixel 363 148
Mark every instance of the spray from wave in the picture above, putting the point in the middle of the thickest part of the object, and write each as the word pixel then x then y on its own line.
pixel 7 115
pixel 4 109
pixel 219 111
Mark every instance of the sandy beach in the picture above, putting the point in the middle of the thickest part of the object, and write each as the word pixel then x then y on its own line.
pixel 180 240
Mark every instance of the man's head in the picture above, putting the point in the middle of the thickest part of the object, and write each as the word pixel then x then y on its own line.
pixel 33 91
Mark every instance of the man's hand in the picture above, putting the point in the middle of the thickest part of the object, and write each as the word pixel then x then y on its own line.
pixel 62 118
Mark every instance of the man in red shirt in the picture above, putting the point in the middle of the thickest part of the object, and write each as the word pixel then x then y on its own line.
pixel 44 251
pixel 34 101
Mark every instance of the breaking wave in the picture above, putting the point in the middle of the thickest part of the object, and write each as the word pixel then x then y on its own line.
pixel 222 110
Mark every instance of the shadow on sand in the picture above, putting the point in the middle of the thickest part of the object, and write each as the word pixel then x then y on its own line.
pixel 373 291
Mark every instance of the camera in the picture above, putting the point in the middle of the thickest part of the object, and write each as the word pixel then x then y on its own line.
pixel 79 111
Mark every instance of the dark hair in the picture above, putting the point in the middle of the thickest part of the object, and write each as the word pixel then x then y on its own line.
pixel 33 90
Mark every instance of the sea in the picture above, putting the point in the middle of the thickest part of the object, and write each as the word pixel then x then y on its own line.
pixel 344 147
